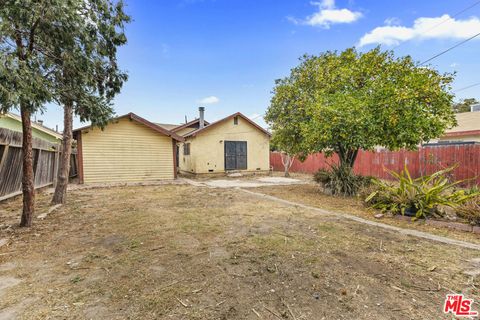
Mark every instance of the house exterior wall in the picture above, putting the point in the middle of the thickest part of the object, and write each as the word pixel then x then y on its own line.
pixel 186 162
pixel 12 124
pixel 207 148
pixel 126 151
pixel 462 138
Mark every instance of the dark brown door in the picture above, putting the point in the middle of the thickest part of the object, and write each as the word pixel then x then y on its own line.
pixel 235 155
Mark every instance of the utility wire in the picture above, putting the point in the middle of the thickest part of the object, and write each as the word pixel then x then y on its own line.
pixel 443 21
pixel 451 48
pixel 468 87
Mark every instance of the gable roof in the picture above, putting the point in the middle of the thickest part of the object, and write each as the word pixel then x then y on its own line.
pixel 36 125
pixel 167 126
pixel 237 114
pixel 151 125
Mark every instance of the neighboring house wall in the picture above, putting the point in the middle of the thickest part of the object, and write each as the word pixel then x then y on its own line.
pixel 126 151
pixel 207 148
pixel 467 129
pixel 15 125
pixel 462 137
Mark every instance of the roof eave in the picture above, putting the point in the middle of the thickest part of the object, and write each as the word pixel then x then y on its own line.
pixel 194 133
pixel 145 122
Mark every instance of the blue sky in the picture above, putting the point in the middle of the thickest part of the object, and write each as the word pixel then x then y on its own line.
pixel 227 53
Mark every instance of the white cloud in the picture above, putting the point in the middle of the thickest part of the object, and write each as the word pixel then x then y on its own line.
pixel 209 100
pixel 442 27
pixel 328 14
pixel 393 21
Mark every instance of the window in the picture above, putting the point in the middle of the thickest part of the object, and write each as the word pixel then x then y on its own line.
pixel 235 120
pixel 186 149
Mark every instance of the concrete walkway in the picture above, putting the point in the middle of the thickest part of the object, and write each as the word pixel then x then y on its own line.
pixel 250 183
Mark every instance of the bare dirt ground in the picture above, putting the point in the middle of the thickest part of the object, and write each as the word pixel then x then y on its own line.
pixel 186 252
pixel 310 194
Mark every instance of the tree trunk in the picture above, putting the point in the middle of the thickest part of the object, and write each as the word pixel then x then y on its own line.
pixel 287 162
pixel 287 174
pixel 28 178
pixel 60 195
pixel 347 158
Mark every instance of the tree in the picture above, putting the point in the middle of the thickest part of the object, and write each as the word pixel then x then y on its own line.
pixel 88 76
pixel 464 105
pixel 287 138
pixel 39 39
pixel 343 102
pixel 25 71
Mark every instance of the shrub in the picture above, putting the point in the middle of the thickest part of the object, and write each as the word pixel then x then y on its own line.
pixel 418 197
pixel 341 180
pixel 322 176
pixel 470 211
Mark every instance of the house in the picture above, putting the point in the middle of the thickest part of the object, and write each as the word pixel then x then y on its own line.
pixel 234 143
pixel 129 149
pixel 13 122
pixel 467 129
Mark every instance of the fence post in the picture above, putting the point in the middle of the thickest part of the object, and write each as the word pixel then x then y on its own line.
pixel 55 168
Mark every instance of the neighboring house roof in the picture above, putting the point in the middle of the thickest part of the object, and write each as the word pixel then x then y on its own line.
pixel 188 124
pixel 177 127
pixel 213 124
pixel 35 125
pixel 151 125
pixel 468 124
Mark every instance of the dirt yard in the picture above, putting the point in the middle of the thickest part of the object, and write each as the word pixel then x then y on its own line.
pixel 310 194
pixel 186 252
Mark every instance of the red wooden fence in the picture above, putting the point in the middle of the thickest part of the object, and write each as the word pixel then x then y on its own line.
pixel 425 160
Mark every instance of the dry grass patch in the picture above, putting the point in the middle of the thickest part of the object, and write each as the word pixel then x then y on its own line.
pixel 310 194
pixel 183 252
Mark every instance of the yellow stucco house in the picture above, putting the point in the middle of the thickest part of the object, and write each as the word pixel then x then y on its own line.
pixel 234 143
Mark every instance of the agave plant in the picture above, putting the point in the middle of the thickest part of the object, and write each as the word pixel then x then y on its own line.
pixel 420 196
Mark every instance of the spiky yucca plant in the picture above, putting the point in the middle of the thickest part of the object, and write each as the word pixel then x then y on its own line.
pixel 421 195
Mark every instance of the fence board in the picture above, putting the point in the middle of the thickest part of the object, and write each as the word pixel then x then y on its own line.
pixel 45 155
pixel 426 160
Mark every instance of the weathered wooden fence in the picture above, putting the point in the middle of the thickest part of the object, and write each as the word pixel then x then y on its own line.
pixel 425 160
pixel 45 163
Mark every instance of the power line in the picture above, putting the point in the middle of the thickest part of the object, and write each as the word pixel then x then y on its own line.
pixel 445 20
pixel 468 87
pixel 451 48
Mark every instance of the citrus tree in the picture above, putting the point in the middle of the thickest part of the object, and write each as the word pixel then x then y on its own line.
pixel 343 102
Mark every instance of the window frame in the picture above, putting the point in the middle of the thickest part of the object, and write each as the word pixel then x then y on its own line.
pixel 186 149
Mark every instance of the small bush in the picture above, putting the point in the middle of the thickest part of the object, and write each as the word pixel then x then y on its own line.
pixel 341 180
pixel 322 176
pixel 470 211
pixel 419 197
